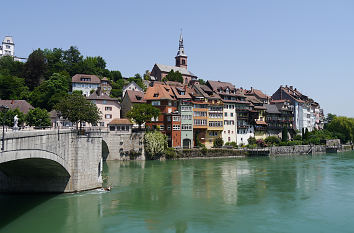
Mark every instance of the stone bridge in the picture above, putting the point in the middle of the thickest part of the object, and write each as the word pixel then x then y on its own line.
pixel 50 161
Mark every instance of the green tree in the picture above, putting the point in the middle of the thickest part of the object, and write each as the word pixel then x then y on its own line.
pixel 173 76
pixel 252 140
pixel 35 69
pixel 10 67
pixel 38 117
pixel 73 60
pixel 284 135
pixel 272 140
pixel 55 61
pixel 115 75
pixel 9 117
pixel 77 109
pixel 147 75
pixel 342 128
pixel 12 87
pixel 155 144
pixel 142 113
pixel 201 81
pixel 218 142
pixel 50 92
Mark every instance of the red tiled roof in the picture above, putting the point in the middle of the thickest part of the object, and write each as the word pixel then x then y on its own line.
pixel 120 121
pixel 135 96
pixel 93 78
pixel 21 105
pixel 159 92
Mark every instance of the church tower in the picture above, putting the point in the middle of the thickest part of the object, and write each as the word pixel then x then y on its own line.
pixel 181 58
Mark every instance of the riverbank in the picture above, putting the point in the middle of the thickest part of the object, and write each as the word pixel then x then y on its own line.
pixel 269 151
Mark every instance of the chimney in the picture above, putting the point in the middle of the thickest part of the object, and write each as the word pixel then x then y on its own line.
pixel 286 86
pixel 291 87
pixel 251 88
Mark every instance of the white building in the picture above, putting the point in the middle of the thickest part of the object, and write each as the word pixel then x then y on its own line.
pixel 7 47
pixel 133 87
pixel 85 83
pixel 230 123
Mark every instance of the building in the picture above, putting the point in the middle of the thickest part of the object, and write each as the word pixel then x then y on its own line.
pixel 88 83
pixel 227 93
pixel 162 97
pixel 257 114
pixel 280 115
pixel 120 126
pixel 304 108
pixel 133 87
pixel 129 99
pixel 109 107
pixel 22 105
pixel 245 129
pixel 185 108
pixel 160 71
pixel 215 114
pixel 7 48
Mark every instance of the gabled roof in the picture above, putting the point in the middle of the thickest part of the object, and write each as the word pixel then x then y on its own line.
pixel 135 96
pixel 173 83
pixel 272 108
pixel 216 85
pixel 178 90
pixel 100 96
pixel 120 121
pixel 159 92
pixel 167 68
pixel 93 79
pixel 132 83
pixel 206 92
pixel 257 93
pixel 21 105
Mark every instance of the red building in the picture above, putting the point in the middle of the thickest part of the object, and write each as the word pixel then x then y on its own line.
pixel 162 97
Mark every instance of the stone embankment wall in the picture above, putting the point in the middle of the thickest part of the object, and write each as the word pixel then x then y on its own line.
pixel 124 146
pixel 210 153
pixel 297 150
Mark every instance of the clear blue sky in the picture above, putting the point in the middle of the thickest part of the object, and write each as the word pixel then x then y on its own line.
pixel 305 43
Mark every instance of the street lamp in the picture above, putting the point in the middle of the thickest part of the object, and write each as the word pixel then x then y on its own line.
pixel 58 122
pixel 3 109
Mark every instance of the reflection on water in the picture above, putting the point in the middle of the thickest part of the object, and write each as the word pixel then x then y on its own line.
pixel 216 195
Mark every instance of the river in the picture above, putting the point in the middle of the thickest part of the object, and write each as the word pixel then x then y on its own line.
pixel 277 194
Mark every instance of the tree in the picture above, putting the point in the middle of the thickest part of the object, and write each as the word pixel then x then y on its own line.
pixel 141 113
pixel 77 109
pixel 37 117
pixel 155 144
pixel 50 92
pixel 9 117
pixel 115 75
pixel 201 81
pixel 173 76
pixel 218 142
pixel 12 87
pixel 35 69
pixel 284 135
pixel 147 75
pixel 272 140
pixel 72 59
pixel 342 128
pixel 10 67
pixel 252 140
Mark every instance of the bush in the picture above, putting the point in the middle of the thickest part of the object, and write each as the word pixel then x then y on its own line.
pixel 170 153
pixel 297 138
pixel 204 150
pixel 261 143
pixel 272 140
pixel 251 146
pixel 218 142
pixel 252 140
pixel 294 143
pixel 233 144
pixel 155 144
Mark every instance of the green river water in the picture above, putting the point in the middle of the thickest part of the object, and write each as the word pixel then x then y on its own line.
pixel 277 194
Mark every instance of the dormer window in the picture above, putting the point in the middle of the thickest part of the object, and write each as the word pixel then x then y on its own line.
pixel 138 97
pixel 156 95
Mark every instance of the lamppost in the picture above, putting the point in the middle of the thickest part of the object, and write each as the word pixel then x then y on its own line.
pixel 58 122
pixel 3 109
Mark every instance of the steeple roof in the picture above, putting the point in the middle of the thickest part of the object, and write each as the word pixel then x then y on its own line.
pixel 181 47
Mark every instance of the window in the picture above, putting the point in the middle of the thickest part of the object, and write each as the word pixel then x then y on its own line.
pixel 7 46
pixel 232 114
pixel 169 103
pixel 101 123
pixel 176 127
pixel 228 131
pixel 162 127
pixel 168 118
pixel 200 122
pixel 156 95
pixel 108 108
pixel 183 62
pixel 169 127
pixel 225 114
pixel 176 118
pixel 200 114
pixel 155 103
pixel 186 117
pixel 108 116
pixel 112 128
pixel 215 123
pixel 213 133
pixel 104 101
pixel 186 127
pixel 229 139
pixel 186 108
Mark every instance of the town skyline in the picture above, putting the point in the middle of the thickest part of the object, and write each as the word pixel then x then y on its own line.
pixel 311 52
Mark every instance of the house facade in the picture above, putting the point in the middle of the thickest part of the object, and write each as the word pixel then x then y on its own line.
pixel 109 107
pixel 132 86
pixel 85 83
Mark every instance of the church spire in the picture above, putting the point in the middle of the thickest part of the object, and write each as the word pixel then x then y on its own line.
pixel 181 58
